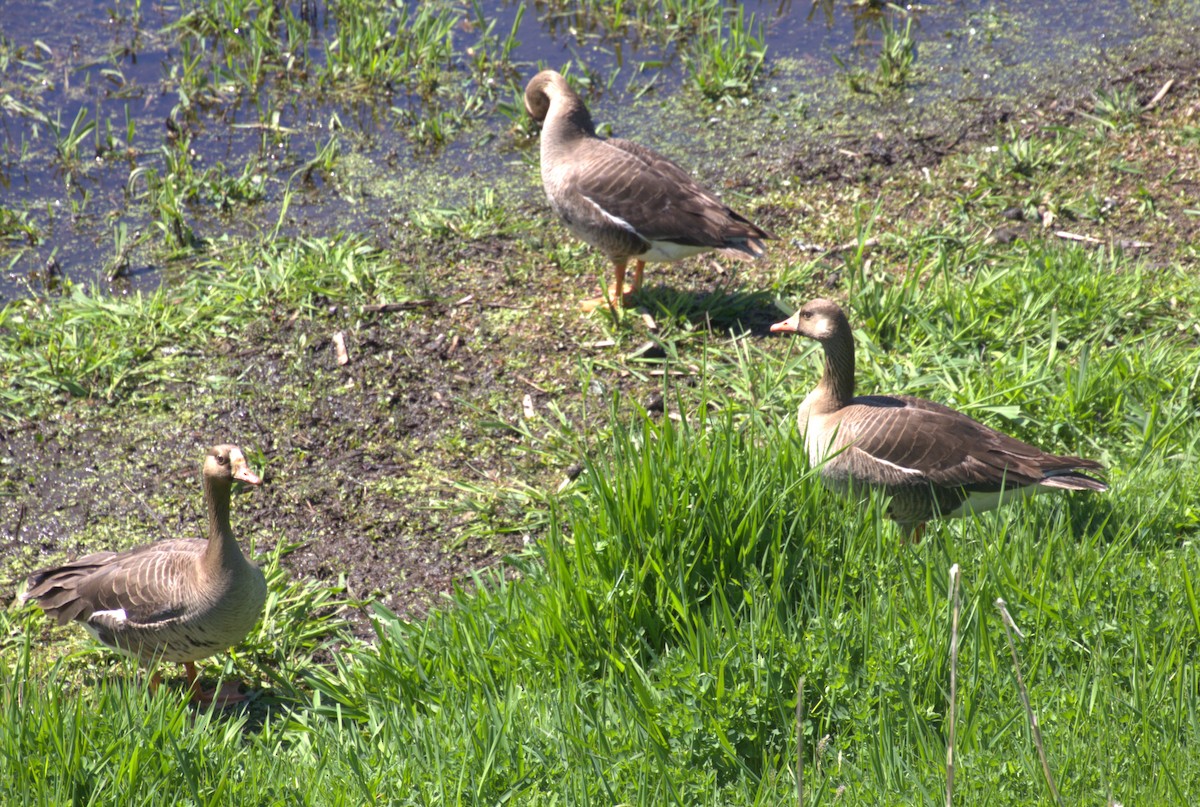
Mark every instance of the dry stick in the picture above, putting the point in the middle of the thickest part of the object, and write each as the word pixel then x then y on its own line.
pixel 851 245
pixel 407 305
pixel 16 534
pixel 1158 96
pixel 1009 627
pixel 162 527
pixel 1087 239
pixel 954 608
pixel 800 742
pixel 529 383
pixel 339 347
pixel 20 522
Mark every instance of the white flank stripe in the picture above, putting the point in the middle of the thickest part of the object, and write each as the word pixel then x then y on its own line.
pixel 900 468
pixel 118 615
pixel 617 220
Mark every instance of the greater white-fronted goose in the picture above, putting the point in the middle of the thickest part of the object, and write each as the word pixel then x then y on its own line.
pixel 624 199
pixel 930 459
pixel 176 600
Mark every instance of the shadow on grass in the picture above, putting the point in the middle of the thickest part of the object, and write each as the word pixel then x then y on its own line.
pixel 718 310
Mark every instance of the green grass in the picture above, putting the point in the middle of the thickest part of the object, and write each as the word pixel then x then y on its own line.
pixel 896 55
pixel 646 645
pixel 727 58
pixel 895 64
pixel 647 648
pixel 90 345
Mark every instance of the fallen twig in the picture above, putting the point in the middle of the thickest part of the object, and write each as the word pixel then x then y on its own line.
pixel 142 501
pixel 691 369
pixel 954 610
pixel 16 536
pixel 339 347
pixel 856 244
pixel 1158 96
pixel 1009 628
pixel 800 742
pixel 407 305
pixel 529 383
pixel 1088 239
pixel 642 349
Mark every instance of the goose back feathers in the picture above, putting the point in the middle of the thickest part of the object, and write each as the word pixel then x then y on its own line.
pixel 177 600
pixel 627 200
pixel 933 461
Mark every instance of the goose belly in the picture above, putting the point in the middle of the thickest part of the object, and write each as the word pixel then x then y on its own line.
pixel 667 252
pixel 977 502
pixel 177 643
pixel 205 632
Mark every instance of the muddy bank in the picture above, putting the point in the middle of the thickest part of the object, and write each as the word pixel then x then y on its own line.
pixel 396 469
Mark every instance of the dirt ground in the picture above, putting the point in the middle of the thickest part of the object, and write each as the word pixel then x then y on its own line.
pixel 361 461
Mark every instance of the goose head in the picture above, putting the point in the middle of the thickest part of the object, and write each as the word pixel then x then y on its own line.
pixel 819 319
pixel 226 463
pixel 548 92
pixel 538 93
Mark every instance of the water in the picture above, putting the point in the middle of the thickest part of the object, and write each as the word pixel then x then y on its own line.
pixel 73 188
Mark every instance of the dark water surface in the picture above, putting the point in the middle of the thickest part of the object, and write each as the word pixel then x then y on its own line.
pixel 91 106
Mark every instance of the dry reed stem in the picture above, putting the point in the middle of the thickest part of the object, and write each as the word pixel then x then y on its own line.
pixel 1009 628
pixel 954 611
pixel 800 742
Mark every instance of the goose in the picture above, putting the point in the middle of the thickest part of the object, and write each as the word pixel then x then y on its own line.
pixel 933 461
pixel 624 199
pixel 177 600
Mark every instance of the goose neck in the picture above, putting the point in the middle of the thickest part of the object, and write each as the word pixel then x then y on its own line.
pixel 223 550
pixel 837 380
pixel 569 120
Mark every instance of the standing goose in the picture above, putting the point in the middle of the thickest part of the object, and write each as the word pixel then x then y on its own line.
pixel 176 600
pixel 624 199
pixel 930 459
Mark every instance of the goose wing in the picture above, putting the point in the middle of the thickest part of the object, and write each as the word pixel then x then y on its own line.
pixel 142 587
pixel 620 184
pixel 898 440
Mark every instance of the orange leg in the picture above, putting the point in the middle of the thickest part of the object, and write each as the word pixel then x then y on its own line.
pixel 638 266
pixel 223 696
pixel 614 295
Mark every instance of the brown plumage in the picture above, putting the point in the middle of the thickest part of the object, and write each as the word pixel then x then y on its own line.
pixel 930 459
pixel 625 199
pixel 177 600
